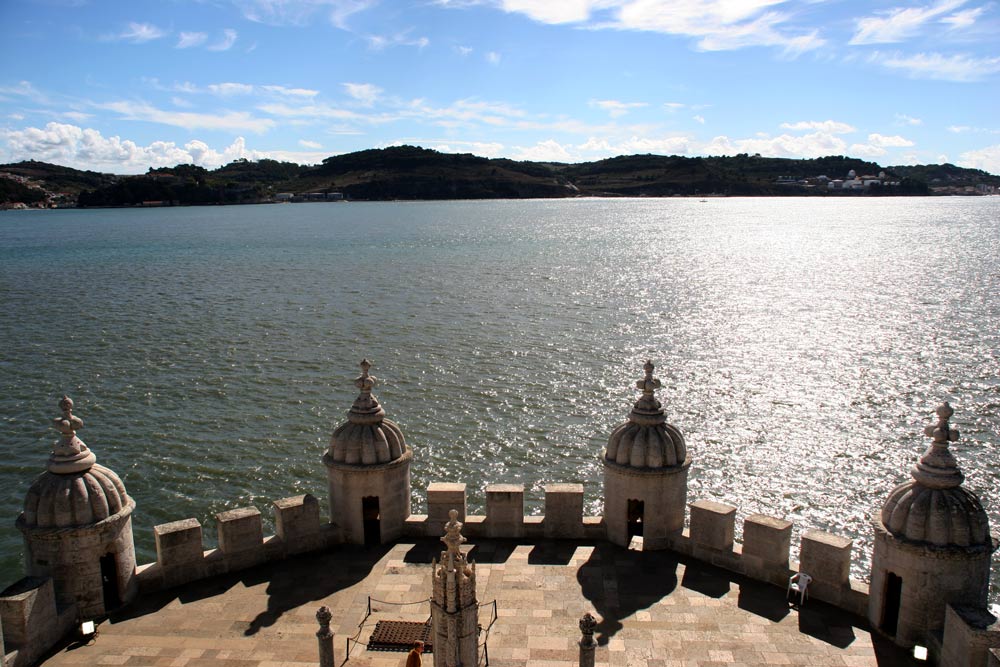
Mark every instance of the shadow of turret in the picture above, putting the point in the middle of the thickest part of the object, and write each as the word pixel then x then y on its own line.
pixel 619 583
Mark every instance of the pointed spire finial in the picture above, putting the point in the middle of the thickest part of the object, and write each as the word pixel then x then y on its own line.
pixel 937 468
pixel 365 382
pixel 69 454
pixel 366 408
pixel 648 384
pixel 647 410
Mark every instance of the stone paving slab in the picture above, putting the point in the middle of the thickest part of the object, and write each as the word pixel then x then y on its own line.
pixel 655 610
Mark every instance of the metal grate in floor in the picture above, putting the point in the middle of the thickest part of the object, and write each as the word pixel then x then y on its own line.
pixel 400 635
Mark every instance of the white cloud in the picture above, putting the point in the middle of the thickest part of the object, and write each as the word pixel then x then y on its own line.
pixel 24 89
pixel 291 92
pixel 899 24
pixel 463 50
pixel 188 40
pixel 812 145
pixel 226 42
pixel 15 116
pixel 601 148
pixel 827 126
pixel 305 143
pixel 987 159
pixel 698 119
pixel 551 11
pixel 958 129
pixel 300 12
pixel 228 120
pixel 894 141
pixel 908 120
pixel 139 33
pixel 673 106
pixel 718 25
pixel 365 93
pixel 310 111
pixel 493 58
pixel 480 148
pixel 230 89
pixel 963 19
pixel 382 42
pixel 341 10
pixel 544 151
pixel 877 145
pixel 958 67
pixel 615 108
pixel 74 146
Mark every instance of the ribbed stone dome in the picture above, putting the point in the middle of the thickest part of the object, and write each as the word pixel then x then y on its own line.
pixel 934 508
pixel 367 437
pixel 646 440
pixel 74 500
pixel 75 491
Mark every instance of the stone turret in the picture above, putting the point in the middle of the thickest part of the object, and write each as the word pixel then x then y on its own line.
pixel 368 468
pixel 77 525
pixel 932 545
pixel 645 473
pixel 454 606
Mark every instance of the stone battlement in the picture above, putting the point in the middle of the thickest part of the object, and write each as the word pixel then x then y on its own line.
pixel 763 555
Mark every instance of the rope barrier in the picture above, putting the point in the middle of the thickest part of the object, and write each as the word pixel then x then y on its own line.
pixel 371 599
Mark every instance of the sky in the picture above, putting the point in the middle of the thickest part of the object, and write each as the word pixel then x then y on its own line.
pixel 122 86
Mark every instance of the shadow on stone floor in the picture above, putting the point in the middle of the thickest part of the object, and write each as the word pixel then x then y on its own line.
pixel 553 552
pixel 291 583
pixel 618 583
pixel 480 551
pixel 299 581
pixel 706 580
pixel 763 600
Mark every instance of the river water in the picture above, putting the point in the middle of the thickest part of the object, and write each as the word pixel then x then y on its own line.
pixel 803 344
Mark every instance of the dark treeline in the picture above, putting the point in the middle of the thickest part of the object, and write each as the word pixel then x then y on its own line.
pixel 409 172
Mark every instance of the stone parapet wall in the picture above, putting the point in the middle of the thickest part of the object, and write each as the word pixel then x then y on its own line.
pixel 31 621
pixel 763 556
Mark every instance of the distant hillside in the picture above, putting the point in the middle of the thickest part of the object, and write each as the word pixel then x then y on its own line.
pixel 947 175
pixel 409 172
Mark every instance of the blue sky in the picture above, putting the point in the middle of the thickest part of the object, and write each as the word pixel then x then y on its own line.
pixel 122 86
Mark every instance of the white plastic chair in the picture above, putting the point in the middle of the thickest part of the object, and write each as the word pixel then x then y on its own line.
pixel 798 585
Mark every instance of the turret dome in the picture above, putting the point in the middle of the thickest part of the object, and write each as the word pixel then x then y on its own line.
pixel 933 507
pixel 646 440
pixel 367 437
pixel 75 491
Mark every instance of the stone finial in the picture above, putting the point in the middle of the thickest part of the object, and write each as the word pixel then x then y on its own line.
pixel 69 454
pixel 323 617
pixel 324 637
pixel 365 382
pixel 366 408
pixel 453 538
pixel 587 625
pixel 647 410
pixel 648 384
pixel 68 424
pixel 937 468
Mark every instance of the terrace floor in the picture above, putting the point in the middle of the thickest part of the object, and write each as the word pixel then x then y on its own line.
pixel 655 610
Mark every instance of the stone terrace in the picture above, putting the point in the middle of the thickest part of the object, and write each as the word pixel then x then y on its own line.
pixel 656 609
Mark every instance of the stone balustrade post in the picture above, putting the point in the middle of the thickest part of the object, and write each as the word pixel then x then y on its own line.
pixel 324 637
pixel 588 645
